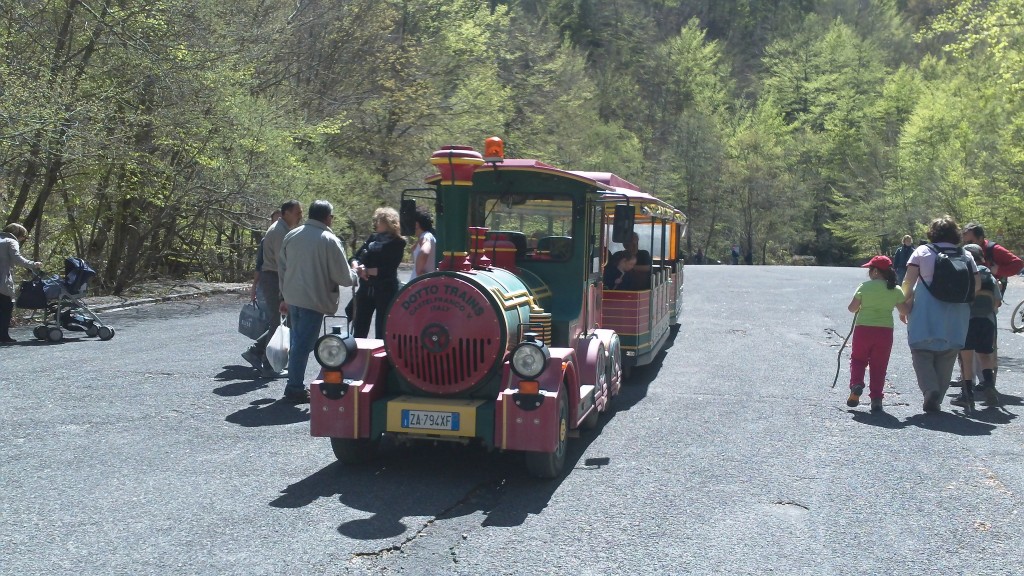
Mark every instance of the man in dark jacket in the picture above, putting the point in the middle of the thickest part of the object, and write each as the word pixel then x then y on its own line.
pixel 901 257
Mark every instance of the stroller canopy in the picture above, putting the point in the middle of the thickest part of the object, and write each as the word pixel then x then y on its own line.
pixel 76 274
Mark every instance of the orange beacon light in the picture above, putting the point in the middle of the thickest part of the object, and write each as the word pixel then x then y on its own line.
pixel 494 149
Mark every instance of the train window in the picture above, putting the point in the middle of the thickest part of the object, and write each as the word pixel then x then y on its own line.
pixel 544 221
pixel 652 238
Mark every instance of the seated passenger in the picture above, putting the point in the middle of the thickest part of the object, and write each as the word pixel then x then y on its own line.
pixel 617 271
pixel 643 257
pixel 640 274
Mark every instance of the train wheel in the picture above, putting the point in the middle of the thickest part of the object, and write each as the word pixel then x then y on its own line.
pixel 590 422
pixel 615 373
pixel 1017 319
pixel 105 333
pixel 353 450
pixel 55 335
pixel 549 464
pixel 39 332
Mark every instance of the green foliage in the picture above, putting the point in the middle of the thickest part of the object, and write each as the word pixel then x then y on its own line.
pixel 154 137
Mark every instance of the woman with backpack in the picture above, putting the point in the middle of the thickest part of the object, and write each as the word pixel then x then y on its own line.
pixel 937 328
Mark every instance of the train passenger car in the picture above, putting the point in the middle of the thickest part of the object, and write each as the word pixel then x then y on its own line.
pixel 514 342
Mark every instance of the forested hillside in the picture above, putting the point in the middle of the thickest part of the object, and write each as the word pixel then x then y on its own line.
pixel 155 136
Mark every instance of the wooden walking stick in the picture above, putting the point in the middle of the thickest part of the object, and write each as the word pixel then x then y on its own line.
pixel 839 357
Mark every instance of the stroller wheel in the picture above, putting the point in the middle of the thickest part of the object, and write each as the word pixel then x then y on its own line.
pixel 55 335
pixel 40 332
pixel 105 333
pixel 91 331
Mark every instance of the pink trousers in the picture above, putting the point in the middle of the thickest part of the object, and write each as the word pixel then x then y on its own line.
pixel 870 350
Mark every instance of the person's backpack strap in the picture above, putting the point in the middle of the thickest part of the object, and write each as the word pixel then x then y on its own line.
pixel 931 246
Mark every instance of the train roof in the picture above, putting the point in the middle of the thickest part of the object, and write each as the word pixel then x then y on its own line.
pixel 610 185
pixel 608 179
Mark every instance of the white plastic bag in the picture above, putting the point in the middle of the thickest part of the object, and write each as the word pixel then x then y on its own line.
pixel 278 347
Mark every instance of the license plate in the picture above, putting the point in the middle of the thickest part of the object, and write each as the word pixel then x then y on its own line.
pixel 430 420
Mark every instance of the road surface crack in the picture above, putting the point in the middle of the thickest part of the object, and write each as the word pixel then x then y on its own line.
pixel 493 484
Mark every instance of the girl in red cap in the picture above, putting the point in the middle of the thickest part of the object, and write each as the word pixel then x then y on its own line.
pixel 872 333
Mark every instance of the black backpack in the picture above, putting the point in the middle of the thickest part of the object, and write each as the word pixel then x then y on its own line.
pixel 953 280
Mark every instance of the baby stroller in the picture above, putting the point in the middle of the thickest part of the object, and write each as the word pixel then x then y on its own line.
pixel 60 303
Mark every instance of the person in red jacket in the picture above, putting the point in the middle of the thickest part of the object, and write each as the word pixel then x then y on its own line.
pixel 999 260
pixel 1003 264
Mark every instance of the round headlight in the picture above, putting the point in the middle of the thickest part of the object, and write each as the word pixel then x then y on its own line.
pixel 333 350
pixel 529 359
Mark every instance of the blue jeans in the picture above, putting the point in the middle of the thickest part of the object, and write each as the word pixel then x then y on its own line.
pixel 305 329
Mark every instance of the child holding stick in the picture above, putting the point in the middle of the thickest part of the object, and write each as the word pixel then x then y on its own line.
pixel 872 334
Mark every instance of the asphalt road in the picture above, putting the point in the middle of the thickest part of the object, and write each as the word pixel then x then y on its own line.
pixel 158 453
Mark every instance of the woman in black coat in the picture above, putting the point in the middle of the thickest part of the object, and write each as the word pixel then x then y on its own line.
pixel 377 262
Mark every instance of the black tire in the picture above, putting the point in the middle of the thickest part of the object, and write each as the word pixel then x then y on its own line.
pixel 550 464
pixel 105 333
pixel 1017 318
pixel 40 332
pixel 354 450
pixel 54 334
pixel 91 331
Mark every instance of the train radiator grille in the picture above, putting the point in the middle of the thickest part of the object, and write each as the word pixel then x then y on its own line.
pixel 540 323
pixel 447 368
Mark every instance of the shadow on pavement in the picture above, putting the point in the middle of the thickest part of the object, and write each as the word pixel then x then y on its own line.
pixel 881 419
pixel 33 342
pixel 982 422
pixel 242 380
pixel 950 423
pixel 236 372
pixel 1009 400
pixel 269 412
pixel 240 388
pixel 448 480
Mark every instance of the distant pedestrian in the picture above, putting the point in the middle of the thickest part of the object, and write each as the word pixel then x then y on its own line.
pixel 10 254
pixel 936 329
pixel 698 258
pixel 748 258
pixel 312 265
pixel 424 250
pixel 735 254
pixel 376 264
pixel 873 303
pixel 269 282
pixel 901 256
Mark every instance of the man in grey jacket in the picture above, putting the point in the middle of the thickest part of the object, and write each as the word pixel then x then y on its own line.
pixel 291 215
pixel 311 265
